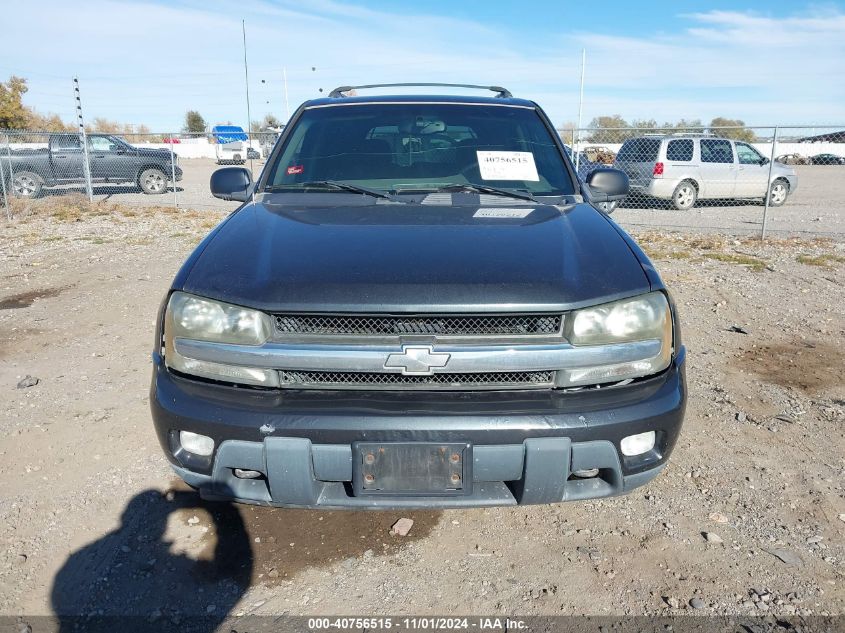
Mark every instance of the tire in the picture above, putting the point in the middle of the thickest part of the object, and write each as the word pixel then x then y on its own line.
pixel 684 196
pixel 153 181
pixel 778 193
pixel 26 184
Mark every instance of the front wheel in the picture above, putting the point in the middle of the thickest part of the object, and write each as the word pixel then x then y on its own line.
pixel 26 184
pixel 778 193
pixel 684 196
pixel 153 181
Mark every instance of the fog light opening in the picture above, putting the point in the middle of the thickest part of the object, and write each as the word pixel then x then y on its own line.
pixel 638 444
pixel 243 473
pixel 586 473
pixel 195 443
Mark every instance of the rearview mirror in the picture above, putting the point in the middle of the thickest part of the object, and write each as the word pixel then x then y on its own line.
pixel 231 183
pixel 608 184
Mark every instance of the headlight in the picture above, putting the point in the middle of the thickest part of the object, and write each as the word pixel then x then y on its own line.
pixel 638 319
pixel 642 319
pixel 207 320
pixel 201 319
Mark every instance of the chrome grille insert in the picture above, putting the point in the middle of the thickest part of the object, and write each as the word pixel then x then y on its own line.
pixel 457 381
pixel 395 325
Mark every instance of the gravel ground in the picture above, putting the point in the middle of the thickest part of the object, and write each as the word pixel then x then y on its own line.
pixel 816 208
pixel 748 517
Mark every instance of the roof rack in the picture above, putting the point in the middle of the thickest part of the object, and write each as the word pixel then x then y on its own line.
pixel 500 92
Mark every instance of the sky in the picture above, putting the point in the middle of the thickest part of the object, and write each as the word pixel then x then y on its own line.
pixel 148 62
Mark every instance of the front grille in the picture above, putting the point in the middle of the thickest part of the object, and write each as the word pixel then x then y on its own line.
pixel 444 325
pixel 468 381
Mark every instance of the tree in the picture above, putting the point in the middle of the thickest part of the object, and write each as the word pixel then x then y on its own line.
pixel 693 126
pixel 194 123
pixel 568 132
pixel 644 124
pixel 609 129
pixel 731 128
pixel 104 126
pixel 270 121
pixel 13 113
pixel 48 123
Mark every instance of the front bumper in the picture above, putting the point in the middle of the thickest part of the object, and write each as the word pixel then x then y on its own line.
pixel 525 445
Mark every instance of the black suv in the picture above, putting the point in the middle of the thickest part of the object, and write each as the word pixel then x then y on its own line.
pixel 417 305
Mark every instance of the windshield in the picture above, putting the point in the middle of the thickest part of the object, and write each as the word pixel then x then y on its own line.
pixel 413 147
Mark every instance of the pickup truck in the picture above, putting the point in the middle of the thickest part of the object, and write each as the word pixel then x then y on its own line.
pixel 418 303
pixel 111 160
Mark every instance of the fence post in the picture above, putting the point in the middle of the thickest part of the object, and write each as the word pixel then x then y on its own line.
pixel 86 163
pixel 173 173
pixel 5 195
pixel 11 169
pixel 769 184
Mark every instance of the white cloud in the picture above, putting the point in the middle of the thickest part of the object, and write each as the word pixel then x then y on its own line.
pixel 146 62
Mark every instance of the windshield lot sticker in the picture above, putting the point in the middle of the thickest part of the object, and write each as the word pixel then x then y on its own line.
pixel 295 169
pixel 507 166
pixel 502 213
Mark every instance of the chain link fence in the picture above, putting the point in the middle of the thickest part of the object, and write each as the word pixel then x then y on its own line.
pixel 785 179
pixel 149 169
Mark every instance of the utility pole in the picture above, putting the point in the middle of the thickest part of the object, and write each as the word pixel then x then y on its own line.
pixel 580 107
pixel 86 165
pixel 246 81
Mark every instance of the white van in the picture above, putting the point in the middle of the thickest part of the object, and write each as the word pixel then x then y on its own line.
pixel 685 168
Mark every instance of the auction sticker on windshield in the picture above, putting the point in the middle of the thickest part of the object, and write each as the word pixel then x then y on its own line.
pixel 507 166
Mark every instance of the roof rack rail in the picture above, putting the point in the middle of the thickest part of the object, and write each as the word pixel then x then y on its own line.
pixel 500 92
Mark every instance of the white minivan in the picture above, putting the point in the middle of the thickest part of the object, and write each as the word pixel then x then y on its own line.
pixel 684 168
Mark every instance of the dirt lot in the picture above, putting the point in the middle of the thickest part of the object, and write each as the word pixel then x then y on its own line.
pixel 814 210
pixel 748 518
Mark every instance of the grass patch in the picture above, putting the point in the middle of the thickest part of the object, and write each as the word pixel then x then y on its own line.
pixel 93 239
pixel 825 260
pixel 754 264
pixel 75 207
pixel 658 254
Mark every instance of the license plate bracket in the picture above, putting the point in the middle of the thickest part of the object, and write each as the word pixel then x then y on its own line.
pixel 412 468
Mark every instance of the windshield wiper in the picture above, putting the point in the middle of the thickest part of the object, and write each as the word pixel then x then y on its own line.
pixel 485 189
pixel 344 186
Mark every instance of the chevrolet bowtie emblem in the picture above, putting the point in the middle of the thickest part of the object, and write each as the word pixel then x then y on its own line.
pixel 417 361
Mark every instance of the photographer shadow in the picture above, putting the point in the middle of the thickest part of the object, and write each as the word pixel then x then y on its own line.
pixel 132 580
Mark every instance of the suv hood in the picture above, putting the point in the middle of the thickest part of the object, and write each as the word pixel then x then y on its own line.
pixel 415 258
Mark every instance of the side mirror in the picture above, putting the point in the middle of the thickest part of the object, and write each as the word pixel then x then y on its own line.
pixel 231 183
pixel 764 161
pixel 608 184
